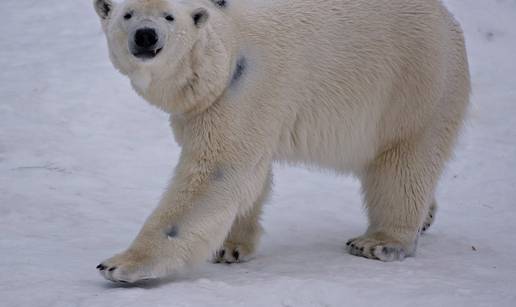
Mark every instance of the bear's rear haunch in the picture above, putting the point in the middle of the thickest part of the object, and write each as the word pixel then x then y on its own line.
pixel 378 89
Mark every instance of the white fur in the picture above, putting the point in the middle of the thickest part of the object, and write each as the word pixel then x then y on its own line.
pixel 374 88
pixel 141 80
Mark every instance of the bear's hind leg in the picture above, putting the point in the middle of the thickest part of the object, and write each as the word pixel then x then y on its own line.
pixel 245 233
pixel 398 187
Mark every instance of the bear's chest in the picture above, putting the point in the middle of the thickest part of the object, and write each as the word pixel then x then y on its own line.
pixel 141 80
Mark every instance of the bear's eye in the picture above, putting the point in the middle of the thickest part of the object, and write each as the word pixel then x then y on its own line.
pixel 169 18
pixel 128 16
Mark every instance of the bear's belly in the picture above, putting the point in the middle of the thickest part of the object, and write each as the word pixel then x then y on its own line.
pixel 329 141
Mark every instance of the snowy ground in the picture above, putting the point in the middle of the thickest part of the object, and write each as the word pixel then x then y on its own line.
pixel 83 161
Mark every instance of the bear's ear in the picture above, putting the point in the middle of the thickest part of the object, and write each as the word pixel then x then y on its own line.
pixel 200 16
pixel 103 8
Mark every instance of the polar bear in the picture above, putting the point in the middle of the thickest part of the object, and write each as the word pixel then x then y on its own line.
pixel 378 89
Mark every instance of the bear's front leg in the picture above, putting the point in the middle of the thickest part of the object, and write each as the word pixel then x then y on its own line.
pixel 242 240
pixel 214 181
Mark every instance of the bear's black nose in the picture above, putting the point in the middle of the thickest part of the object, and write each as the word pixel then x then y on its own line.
pixel 145 38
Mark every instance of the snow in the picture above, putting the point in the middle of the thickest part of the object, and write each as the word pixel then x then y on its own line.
pixel 83 161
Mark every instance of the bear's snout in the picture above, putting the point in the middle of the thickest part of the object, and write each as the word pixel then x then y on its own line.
pixel 145 43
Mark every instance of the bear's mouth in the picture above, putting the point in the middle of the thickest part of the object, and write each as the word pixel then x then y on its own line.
pixel 146 54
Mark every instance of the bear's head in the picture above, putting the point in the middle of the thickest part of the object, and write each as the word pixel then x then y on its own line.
pixel 172 51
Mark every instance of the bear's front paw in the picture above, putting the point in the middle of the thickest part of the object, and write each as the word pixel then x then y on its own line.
pixel 380 247
pixel 232 253
pixel 130 267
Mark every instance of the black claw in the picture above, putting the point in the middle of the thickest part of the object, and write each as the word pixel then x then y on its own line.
pixel 101 267
pixel 112 269
pixel 236 255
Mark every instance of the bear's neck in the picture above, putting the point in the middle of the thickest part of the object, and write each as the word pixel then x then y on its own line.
pixel 195 83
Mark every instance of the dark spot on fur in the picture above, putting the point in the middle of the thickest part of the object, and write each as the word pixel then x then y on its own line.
pixel 218 174
pixel 112 269
pixel 239 70
pixel 172 232
pixel 101 267
pixel 200 16
pixel 220 3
